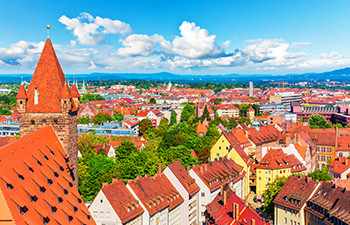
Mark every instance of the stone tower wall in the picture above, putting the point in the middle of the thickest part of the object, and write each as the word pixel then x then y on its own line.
pixel 65 126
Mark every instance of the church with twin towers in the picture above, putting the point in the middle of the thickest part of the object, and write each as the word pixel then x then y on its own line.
pixel 49 100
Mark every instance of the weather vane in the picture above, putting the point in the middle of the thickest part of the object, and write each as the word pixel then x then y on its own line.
pixel 48 31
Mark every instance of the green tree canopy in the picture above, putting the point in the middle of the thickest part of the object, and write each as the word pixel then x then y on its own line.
pixel 101 117
pixel 217 101
pixel 271 192
pixel 187 112
pixel 318 121
pixel 84 120
pixel 118 117
pixel 5 110
pixel 206 114
pixel 144 125
pixel 321 174
pixel 87 97
pixel 173 117
pixel 152 101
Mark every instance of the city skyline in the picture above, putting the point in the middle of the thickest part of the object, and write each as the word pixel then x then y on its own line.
pixel 180 37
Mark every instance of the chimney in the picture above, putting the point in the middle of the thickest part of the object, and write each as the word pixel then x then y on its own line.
pixel 159 168
pixel 188 168
pixel 225 197
pixel 309 179
pixel 221 190
pixel 114 180
pixel 233 211
pixel 237 212
pixel 104 185
pixel 253 222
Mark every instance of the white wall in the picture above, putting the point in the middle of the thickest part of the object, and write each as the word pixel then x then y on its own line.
pixel 102 211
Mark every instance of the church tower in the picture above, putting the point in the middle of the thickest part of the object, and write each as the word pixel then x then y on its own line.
pixel 49 101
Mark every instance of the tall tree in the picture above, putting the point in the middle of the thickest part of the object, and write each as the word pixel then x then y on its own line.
pixel 318 121
pixel 118 117
pixel 187 112
pixel 173 116
pixel 271 192
pixel 101 117
pixel 144 125
pixel 206 114
pixel 152 101
pixel 320 174
pixel 84 120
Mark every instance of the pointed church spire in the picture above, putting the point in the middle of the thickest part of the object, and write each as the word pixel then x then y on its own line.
pixel 48 80
pixel 22 93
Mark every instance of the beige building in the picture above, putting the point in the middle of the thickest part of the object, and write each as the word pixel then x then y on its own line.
pixel 291 200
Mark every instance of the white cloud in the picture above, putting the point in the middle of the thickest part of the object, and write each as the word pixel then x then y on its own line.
pixel 195 42
pixel 142 45
pixel 90 30
pixel 93 66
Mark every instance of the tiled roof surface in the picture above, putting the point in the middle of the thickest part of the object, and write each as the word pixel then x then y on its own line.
pixel 295 192
pixel 49 81
pixel 339 165
pixel 184 177
pixel 323 136
pixel 74 91
pixel 218 173
pixel 301 150
pixel 222 214
pixel 277 159
pixel 123 202
pixel 156 193
pixel 200 128
pixel 22 93
pixel 264 135
pixel 35 181
pixel 332 198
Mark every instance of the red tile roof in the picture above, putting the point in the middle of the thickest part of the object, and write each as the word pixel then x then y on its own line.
pixel 218 173
pixel 35 181
pixel 156 193
pixel 295 192
pixel 49 81
pixel 332 198
pixel 265 134
pixel 277 159
pixel 250 109
pixel 123 202
pixel 75 92
pixel 185 179
pixel 339 165
pixel 200 129
pixel 220 213
pixel 22 93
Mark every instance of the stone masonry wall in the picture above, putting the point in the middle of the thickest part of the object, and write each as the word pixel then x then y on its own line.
pixel 65 126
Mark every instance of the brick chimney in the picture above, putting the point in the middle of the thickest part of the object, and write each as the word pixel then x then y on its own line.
pixel 237 211
pixel 225 197
pixel 221 190
pixel 233 211
pixel 188 168
pixel 104 185
pixel 253 222
pixel 114 180
pixel 159 168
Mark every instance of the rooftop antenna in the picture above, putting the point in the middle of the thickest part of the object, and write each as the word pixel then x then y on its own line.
pixel 48 31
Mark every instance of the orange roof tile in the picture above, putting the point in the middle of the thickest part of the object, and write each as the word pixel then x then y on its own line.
pixel 66 92
pixel 22 93
pixel 123 202
pixel 75 92
pixel 35 181
pixel 49 80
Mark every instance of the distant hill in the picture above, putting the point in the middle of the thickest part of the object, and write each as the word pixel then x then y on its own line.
pixel 336 75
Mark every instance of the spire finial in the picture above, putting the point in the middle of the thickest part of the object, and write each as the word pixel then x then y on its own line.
pixel 48 31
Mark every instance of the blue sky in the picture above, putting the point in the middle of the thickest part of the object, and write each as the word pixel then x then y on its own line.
pixel 184 37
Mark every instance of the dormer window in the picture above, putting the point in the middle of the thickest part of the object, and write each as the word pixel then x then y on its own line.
pixel 36 96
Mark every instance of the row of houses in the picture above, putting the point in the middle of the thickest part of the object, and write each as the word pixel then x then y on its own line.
pixel 304 201
pixel 175 195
